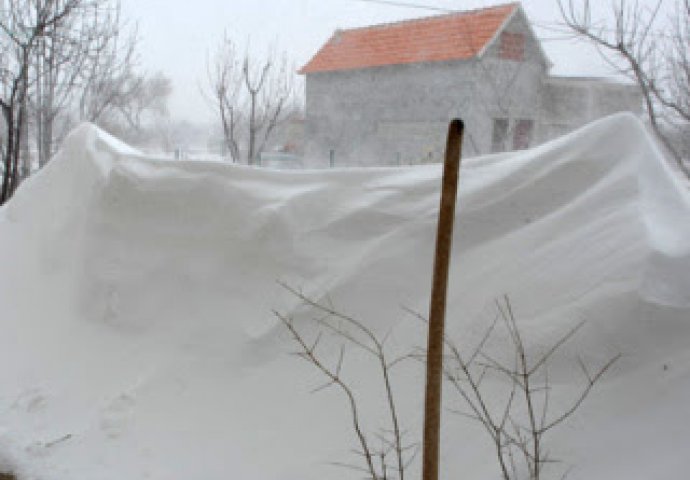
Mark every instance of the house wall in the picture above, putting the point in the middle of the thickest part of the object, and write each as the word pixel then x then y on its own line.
pixel 400 114
pixel 569 103
pixel 371 115
pixel 509 81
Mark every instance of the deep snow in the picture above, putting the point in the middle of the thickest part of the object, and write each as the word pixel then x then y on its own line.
pixel 138 339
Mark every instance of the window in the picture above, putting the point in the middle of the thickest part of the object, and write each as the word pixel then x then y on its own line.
pixel 522 136
pixel 512 46
pixel 500 135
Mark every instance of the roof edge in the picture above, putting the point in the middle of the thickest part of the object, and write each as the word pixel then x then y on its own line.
pixel 389 65
pixel 500 29
pixel 449 13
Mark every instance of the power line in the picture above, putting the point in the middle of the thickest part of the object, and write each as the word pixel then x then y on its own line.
pixel 556 27
pixel 563 28
pixel 418 6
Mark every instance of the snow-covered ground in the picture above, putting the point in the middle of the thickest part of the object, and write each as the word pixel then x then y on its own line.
pixel 137 338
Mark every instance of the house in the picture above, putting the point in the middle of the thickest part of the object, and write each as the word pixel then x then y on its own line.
pixel 383 94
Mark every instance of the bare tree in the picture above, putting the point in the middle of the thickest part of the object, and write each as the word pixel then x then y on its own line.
pixel 66 60
pixel 111 92
pixel 86 62
pixel 225 81
pixel 133 106
pixel 58 61
pixel 109 78
pixel 634 43
pixel 672 84
pixel 22 26
pixel 251 97
pixel 674 90
pixel 149 97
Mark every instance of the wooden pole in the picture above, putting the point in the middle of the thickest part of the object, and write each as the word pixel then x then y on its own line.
pixel 437 309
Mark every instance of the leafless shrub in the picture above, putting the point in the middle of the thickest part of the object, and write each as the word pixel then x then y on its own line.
pixel 391 459
pixel 518 423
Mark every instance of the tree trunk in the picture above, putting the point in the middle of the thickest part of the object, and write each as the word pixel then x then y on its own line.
pixel 16 151
pixel 252 130
pixel 24 161
pixel 8 113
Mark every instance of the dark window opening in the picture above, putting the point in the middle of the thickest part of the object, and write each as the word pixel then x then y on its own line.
pixel 522 136
pixel 500 135
pixel 512 46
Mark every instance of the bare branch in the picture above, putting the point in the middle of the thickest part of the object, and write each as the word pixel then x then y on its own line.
pixel 335 379
pixel 590 383
pixel 658 63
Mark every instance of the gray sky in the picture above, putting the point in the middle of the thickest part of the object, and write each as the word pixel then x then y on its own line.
pixel 178 35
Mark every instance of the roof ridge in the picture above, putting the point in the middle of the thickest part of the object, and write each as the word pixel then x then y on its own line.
pixel 430 17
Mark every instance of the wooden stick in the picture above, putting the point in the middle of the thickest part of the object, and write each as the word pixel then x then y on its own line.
pixel 437 309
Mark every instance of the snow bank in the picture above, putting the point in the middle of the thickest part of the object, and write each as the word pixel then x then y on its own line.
pixel 136 297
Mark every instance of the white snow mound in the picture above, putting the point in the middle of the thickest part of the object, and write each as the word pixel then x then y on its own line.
pixel 136 295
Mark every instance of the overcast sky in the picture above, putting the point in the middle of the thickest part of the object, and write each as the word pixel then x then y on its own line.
pixel 177 35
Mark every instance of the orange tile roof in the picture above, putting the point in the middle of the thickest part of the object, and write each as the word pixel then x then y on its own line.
pixel 455 36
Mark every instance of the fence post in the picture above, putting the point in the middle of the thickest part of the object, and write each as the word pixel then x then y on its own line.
pixel 437 308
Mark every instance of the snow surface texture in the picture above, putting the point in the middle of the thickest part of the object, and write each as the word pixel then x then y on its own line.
pixel 136 297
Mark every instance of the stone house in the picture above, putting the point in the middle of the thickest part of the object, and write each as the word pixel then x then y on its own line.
pixel 383 94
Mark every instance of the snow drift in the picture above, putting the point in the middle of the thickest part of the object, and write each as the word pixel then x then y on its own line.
pixel 137 339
